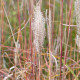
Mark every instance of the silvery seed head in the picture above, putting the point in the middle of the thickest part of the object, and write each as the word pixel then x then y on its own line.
pixel 77 12
pixel 38 28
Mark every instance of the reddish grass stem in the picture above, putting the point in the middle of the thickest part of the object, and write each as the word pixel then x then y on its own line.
pixel 19 21
pixel 30 10
pixel 53 22
pixel 2 26
pixel 25 46
pixel 61 17
pixel 68 29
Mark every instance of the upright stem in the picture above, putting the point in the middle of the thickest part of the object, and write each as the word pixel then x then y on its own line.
pixel 25 40
pixel 25 46
pixel 18 14
pixel 30 10
pixel 19 21
pixel 2 25
pixel 20 34
pixel 49 46
pixel 61 17
pixel 68 29
pixel 39 66
pixel 53 21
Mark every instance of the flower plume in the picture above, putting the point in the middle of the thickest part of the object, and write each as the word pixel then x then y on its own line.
pixel 77 12
pixel 38 28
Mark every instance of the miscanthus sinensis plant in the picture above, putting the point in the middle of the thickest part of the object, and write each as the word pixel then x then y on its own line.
pixel 38 28
pixel 77 12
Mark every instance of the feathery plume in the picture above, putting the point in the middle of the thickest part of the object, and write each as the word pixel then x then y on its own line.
pixel 77 12
pixel 38 28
